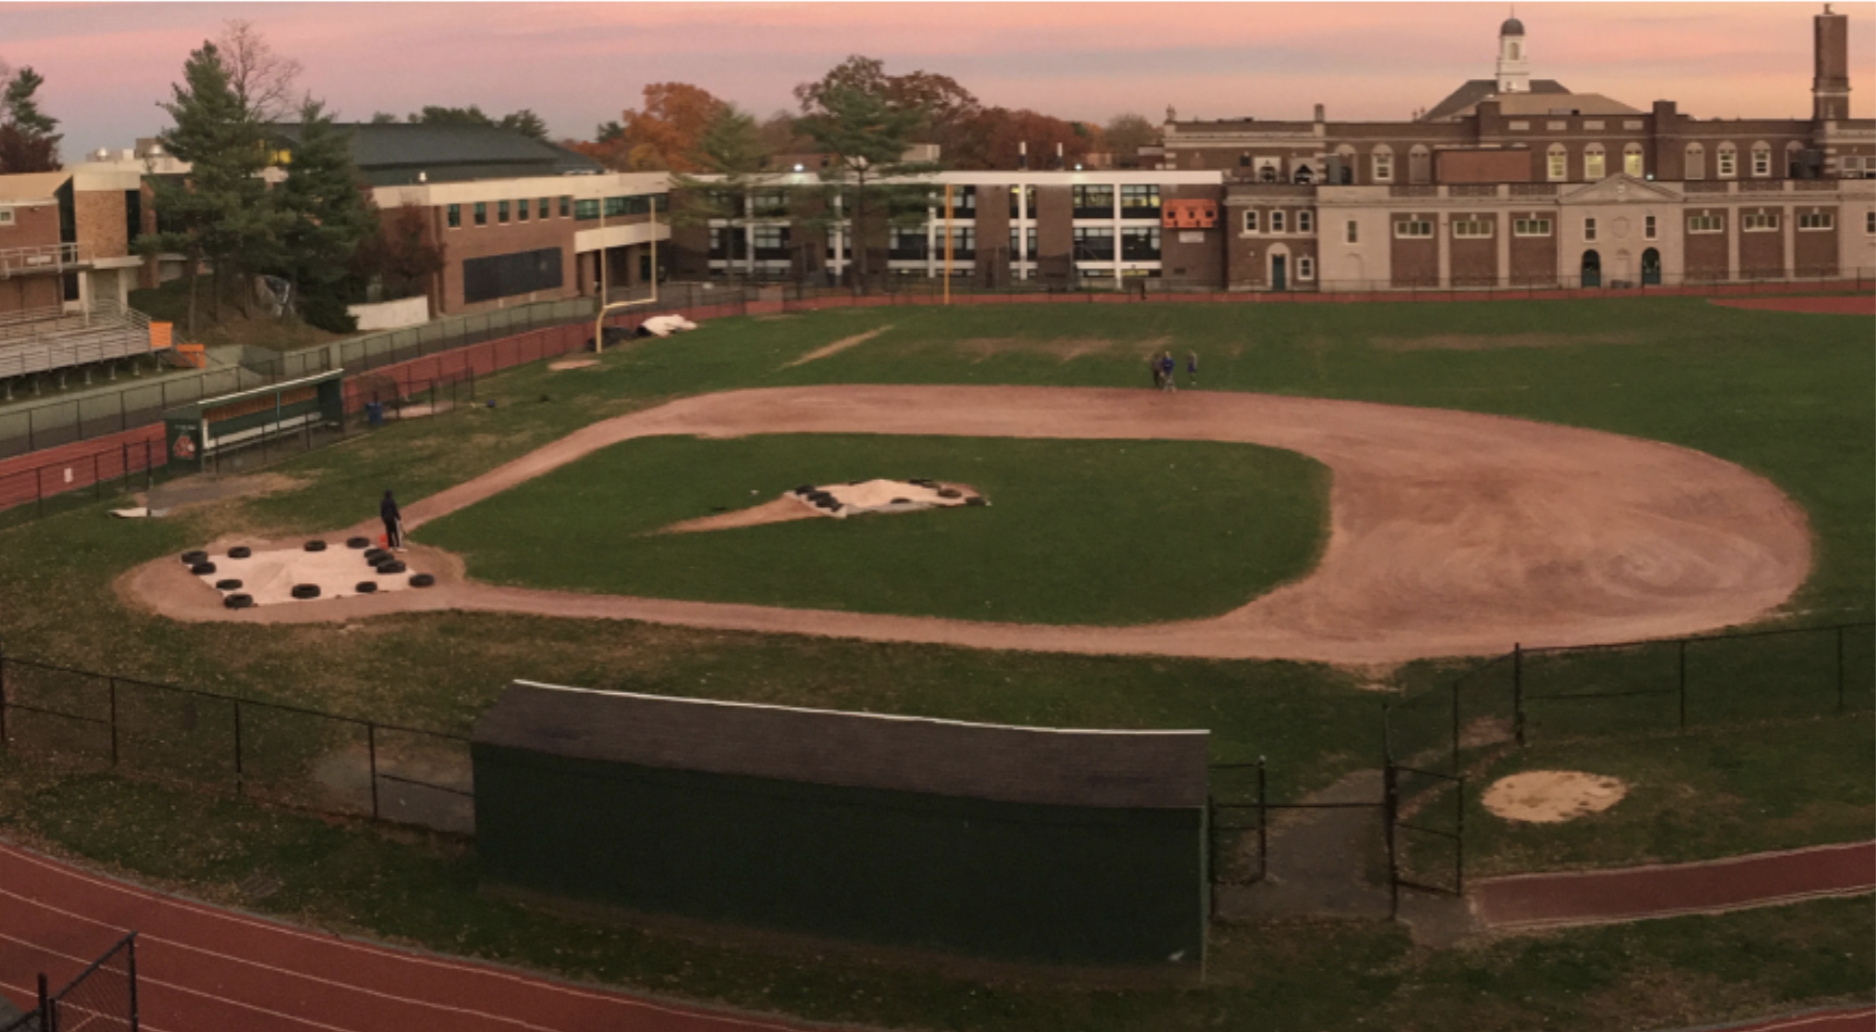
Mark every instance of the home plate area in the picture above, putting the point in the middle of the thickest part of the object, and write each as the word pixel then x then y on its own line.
pixel 864 496
pixel 248 578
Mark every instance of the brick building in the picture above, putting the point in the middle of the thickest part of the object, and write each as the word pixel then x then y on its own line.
pixel 65 239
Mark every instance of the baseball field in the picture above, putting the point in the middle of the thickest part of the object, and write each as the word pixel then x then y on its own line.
pixel 1347 504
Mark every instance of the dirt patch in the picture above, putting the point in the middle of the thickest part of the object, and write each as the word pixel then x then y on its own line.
pixel 572 363
pixel 1494 342
pixel 1065 349
pixel 778 510
pixel 202 489
pixel 1855 304
pixel 838 346
pixel 1552 796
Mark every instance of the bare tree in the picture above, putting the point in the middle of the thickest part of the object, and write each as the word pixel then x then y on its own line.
pixel 262 78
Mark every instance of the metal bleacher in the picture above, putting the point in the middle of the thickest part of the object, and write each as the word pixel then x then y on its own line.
pixel 49 339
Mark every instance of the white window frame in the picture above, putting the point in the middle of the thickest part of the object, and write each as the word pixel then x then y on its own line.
pixel 1472 229
pixel 1820 222
pixel 1305 221
pixel 1556 165
pixel 1305 267
pixel 1276 220
pixel 1726 163
pixel 1383 166
pixel 1634 163
pixel 1758 222
pixel 1761 161
pixel 1648 227
pixel 1589 229
pixel 1413 229
pixel 6 217
pixel 1530 227
pixel 1595 163
pixel 1701 224
pixel 1250 220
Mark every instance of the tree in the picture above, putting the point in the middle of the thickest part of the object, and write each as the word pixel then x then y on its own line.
pixel 865 135
pixel 992 139
pixel 324 217
pixel 384 118
pixel 665 132
pixel 1125 134
pixel 730 150
pixel 28 142
pixel 261 79
pixel 525 122
pixel 779 136
pixel 221 212
pixel 400 256
pixel 944 104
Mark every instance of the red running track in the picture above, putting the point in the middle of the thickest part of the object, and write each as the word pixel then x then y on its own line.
pixel 1850 1019
pixel 1668 890
pixel 202 969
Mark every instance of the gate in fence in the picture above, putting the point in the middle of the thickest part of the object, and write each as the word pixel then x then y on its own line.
pixel 102 998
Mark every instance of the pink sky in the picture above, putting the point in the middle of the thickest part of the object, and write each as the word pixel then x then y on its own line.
pixel 107 65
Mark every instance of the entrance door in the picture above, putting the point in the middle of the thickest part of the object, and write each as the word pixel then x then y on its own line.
pixel 1592 269
pixel 1277 279
pixel 1651 268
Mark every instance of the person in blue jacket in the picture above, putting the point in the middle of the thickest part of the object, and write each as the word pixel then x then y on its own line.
pixel 1167 369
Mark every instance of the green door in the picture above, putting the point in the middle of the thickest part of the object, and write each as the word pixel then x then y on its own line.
pixel 1277 279
pixel 1651 268
pixel 1592 269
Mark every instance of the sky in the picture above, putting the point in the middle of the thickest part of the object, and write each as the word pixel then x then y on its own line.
pixel 578 64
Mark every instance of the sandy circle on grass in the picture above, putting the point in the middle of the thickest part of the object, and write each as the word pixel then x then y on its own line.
pixel 879 496
pixel 572 363
pixel 1552 796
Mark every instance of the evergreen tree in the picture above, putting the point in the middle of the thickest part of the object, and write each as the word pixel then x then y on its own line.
pixel 729 150
pixel 866 135
pixel 28 142
pixel 323 219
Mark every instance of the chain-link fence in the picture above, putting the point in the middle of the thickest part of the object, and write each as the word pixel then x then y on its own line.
pixel 101 998
pixel 284 754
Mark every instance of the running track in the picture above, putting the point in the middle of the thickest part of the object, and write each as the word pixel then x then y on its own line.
pixel 200 969
pixel 1627 894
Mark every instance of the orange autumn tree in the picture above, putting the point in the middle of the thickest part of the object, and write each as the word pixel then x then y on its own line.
pixel 663 133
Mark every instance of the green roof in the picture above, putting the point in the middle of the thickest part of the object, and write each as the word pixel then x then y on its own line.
pixel 397 153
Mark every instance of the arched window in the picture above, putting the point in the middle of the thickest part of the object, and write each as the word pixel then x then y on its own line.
pixel 1632 160
pixel 1761 159
pixel 1383 158
pixel 1728 160
pixel 1595 164
pixel 1419 164
pixel 1695 166
pixel 1304 175
pixel 1557 163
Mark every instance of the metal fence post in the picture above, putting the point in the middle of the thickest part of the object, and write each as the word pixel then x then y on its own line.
pixel 45 1005
pixel 124 459
pixel 130 966
pixel 1517 693
pixel 97 482
pixel 1459 842
pixel 240 787
pixel 1263 824
pixel 1682 651
pixel 371 753
pixel 1455 727
pixel 1390 801
pixel 149 473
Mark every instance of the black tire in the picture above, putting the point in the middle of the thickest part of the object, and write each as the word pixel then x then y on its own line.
pixel 394 566
pixel 805 489
pixel 315 546
pixel 366 587
pixel 902 501
pixel 950 492
pixel 421 580
pixel 306 591
pixel 202 569
pixel 191 558
pixel 228 585
pixel 358 542
pixel 374 556
pixel 238 601
pixel 240 552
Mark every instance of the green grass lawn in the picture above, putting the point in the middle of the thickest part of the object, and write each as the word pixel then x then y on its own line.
pixel 1076 532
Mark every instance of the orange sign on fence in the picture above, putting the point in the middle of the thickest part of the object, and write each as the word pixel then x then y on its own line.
pixel 159 336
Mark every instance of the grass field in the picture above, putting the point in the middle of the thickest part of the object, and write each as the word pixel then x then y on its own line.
pixel 1788 396
pixel 1090 532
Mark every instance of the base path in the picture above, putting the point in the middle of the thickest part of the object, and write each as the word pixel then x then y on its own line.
pixel 202 968
pixel 1451 533
pixel 1627 894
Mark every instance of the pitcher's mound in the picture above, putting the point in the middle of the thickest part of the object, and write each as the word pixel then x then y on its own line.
pixel 1552 796
pixel 840 501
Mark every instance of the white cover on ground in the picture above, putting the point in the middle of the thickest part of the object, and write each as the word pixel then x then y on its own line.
pixel 270 576
pixel 886 496
pixel 666 325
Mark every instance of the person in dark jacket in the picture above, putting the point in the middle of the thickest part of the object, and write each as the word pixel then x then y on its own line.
pixel 393 523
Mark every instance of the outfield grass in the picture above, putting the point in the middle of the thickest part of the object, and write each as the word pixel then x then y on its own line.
pixel 1077 532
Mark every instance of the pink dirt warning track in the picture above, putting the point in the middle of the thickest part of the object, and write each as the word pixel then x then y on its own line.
pixel 1452 533
pixel 201 968
pixel 1626 894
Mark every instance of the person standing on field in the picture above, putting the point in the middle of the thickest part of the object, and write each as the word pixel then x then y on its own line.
pixel 1169 371
pixel 1192 369
pixel 393 523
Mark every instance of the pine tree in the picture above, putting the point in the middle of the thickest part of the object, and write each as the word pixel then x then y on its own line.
pixel 866 134
pixel 324 217
pixel 28 142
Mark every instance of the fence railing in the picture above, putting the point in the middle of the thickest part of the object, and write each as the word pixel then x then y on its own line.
pixel 101 998
pixel 283 754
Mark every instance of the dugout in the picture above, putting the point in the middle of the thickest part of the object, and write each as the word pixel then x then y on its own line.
pixel 195 432
pixel 1027 845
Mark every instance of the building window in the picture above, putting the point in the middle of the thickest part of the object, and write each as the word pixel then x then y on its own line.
pixel 1648 228
pixel 1413 228
pixel 1530 227
pixel 1759 222
pixel 1018 194
pixel 1761 160
pixel 1558 164
pixel 1353 231
pixel 1729 161
pixel 1139 202
pixel 501 211
pixel 1276 222
pixel 521 210
pixel 1093 202
pixel 1139 244
pixel 1706 223
pixel 1696 164
pixel 963 242
pixel 586 209
pixel 1383 166
pixel 1632 163
pixel 455 216
pixel 1589 229
pixel 1094 245
pixel 1869 222
pixel 1305 222
pixel 482 213
pixel 1817 220
pixel 566 204
pixel 544 209
pixel 1250 221
pixel 1472 228
pixel 1305 268
pixel 1594 162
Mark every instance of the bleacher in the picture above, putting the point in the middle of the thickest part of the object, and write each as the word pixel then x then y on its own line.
pixel 50 339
